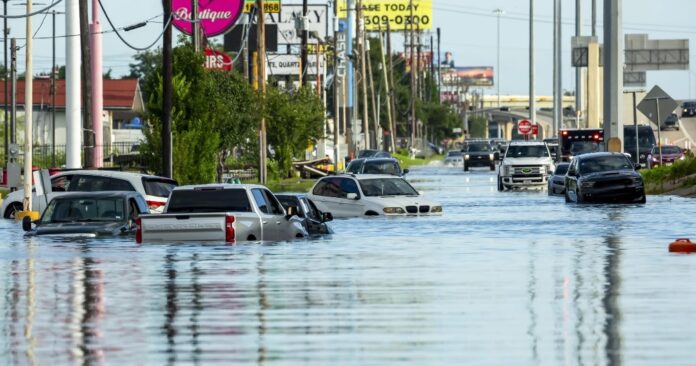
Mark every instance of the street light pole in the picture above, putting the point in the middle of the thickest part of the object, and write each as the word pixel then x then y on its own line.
pixel 4 46
pixel 498 13
pixel 53 93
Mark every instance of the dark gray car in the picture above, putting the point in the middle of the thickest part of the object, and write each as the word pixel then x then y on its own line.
pixel 314 221
pixel 479 154
pixel 90 214
pixel 557 180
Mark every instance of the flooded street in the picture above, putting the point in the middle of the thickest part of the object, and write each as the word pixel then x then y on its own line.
pixel 502 278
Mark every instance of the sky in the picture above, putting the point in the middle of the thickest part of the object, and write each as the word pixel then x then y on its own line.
pixel 468 31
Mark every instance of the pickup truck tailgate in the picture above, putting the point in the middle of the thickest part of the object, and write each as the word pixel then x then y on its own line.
pixel 184 227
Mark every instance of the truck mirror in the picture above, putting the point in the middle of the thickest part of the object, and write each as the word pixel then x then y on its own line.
pixel 26 223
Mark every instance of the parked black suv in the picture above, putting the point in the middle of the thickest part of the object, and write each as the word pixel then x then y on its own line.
pixel 479 154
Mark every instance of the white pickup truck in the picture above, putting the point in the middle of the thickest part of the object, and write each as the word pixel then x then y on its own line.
pixel 527 164
pixel 223 213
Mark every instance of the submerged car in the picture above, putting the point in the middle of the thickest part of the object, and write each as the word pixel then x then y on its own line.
pixel 557 179
pixel 670 155
pixel 479 154
pixel 89 214
pixel 602 178
pixel 454 157
pixel 389 166
pixel 314 221
pixel 362 154
pixel 370 195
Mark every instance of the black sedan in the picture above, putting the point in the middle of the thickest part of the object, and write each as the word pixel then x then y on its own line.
pixel 314 221
pixel 603 177
pixel 479 154
pixel 557 179
pixel 89 214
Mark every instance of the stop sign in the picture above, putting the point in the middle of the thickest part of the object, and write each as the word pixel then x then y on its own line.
pixel 524 127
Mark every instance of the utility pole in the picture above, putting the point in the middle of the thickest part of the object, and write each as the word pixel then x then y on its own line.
pixel 338 82
pixel 391 91
pixel 532 92
pixel 371 80
pixel 88 129
pixel 5 77
pixel 413 79
pixel 557 85
pixel 72 87
pixel 578 70
pixel 388 90
pixel 350 115
pixel 97 87
pixel 439 67
pixel 613 75
pixel 196 29
pixel 594 18
pixel 167 91
pixel 498 13
pixel 432 69
pixel 304 69
pixel 53 94
pixel 28 117
pixel 261 79
pixel 13 92
pixel 363 73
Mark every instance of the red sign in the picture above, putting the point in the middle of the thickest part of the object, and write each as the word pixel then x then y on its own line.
pixel 535 129
pixel 524 127
pixel 216 60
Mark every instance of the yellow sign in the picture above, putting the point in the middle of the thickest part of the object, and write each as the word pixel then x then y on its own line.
pixel 269 6
pixel 312 48
pixel 398 13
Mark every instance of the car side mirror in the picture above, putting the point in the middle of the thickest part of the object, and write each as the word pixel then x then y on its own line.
pixel 290 212
pixel 327 217
pixel 637 167
pixel 352 196
pixel 26 223
pixel 405 171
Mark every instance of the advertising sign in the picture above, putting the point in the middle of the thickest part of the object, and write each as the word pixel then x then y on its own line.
pixel 282 65
pixel 269 6
pixel 468 76
pixel 217 60
pixel 426 58
pixel 216 16
pixel 289 22
pixel 397 13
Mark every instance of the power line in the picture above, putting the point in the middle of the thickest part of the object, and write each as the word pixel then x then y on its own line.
pixel 115 30
pixel 31 14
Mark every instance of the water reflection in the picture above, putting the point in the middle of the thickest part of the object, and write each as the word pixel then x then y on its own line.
pixel 516 278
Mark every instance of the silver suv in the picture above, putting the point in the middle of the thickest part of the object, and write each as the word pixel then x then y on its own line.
pixel 155 189
pixel 527 164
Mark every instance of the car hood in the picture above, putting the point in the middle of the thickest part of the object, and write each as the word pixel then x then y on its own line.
pixel 527 161
pixel 610 175
pixel 80 228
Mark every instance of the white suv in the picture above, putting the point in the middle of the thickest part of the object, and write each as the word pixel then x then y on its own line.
pixel 526 164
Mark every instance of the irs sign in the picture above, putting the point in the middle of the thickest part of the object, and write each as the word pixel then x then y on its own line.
pixel 216 60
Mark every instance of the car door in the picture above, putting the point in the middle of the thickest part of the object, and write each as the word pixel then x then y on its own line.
pixel 270 213
pixel 571 180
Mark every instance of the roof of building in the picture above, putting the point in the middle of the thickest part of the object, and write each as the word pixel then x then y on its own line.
pixel 121 94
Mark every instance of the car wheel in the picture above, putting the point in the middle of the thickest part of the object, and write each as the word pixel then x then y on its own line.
pixel 567 198
pixel 12 209
pixel 492 166
pixel 466 167
pixel 578 197
pixel 501 187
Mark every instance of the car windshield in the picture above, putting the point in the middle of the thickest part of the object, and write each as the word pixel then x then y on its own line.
pixel 672 118
pixel 690 105
pixel 561 169
pixel 367 153
pixel 381 167
pixel 527 151
pixel 84 210
pixel 454 153
pixel 584 147
pixel 478 148
pixel 387 187
pixel 604 164
pixel 671 150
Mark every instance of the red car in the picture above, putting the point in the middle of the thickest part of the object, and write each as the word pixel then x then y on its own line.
pixel 670 154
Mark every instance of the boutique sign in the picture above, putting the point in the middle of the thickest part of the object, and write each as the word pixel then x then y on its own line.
pixel 216 16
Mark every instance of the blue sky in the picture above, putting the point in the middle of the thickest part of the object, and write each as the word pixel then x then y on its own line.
pixel 468 29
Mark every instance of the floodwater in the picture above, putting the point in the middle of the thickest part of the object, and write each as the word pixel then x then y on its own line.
pixel 512 278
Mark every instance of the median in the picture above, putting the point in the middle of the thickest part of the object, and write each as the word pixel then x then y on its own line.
pixel 678 179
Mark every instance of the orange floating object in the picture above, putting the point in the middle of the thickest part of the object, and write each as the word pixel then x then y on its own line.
pixel 682 246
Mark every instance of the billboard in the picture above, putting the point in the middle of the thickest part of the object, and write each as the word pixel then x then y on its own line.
pixel 216 16
pixel 398 13
pixel 424 62
pixel 289 19
pixel 468 76
pixel 283 65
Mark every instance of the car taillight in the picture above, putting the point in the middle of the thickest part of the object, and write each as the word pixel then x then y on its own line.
pixel 155 204
pixel 138 230
pixel 229 229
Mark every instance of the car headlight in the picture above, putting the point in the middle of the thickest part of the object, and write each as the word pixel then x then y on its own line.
pixel 436 209
pixel 587 184
pixel 491 156
pixel 466 157
pixel 393 210
pixel 654 159
pixel 642 156
pixel 682 158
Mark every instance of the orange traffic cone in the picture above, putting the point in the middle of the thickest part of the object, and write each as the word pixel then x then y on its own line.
pixel 682 246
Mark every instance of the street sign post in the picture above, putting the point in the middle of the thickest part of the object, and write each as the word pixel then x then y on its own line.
pixel 535 129
pixel 657 106
pixel 524 127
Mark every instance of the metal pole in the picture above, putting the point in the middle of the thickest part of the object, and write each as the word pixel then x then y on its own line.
pixel 167 92
pixel 532 91
pixel 635 125
pixel 72 87
pixel 85 51
pixel 304 69
pixel 261 19
pixel 350 122
pixel 13 92
pixel 659 128
pixel 413 79
pixel 363 72
pixel 594 18
pixel 196 30
pixel 336 85
pixel 558 89
pixel 5 76
pixel 28 118
pixel 498 12
pixel 613 75
pixel 53 93
pixel 97 88
pixel 578 70
pixel 439 67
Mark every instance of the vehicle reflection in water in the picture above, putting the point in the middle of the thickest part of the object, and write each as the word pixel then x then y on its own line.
pixel 501 278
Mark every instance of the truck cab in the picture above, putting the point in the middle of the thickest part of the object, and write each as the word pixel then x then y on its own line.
pixel 526 164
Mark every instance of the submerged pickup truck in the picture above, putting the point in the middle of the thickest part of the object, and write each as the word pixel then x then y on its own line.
pixel 222 213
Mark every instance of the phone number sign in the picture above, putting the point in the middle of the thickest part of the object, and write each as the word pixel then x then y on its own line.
pixel 400 14
pixel 269 6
